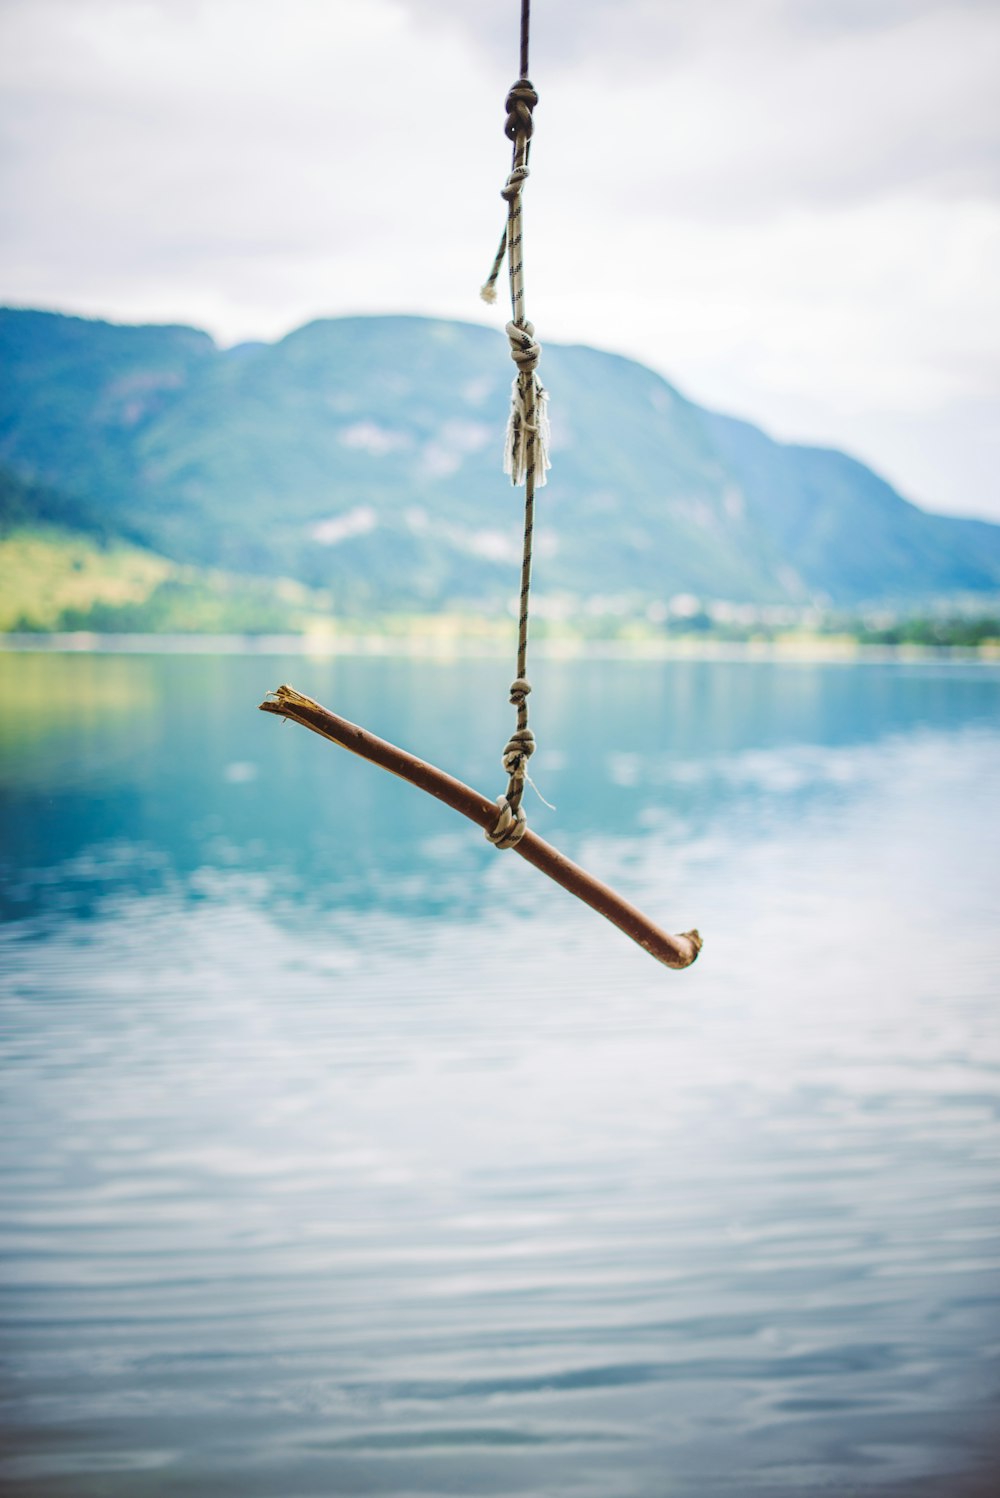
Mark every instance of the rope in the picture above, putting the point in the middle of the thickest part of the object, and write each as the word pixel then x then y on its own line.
pixel 525 451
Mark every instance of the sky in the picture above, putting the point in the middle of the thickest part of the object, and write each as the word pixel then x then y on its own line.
pixel 790 208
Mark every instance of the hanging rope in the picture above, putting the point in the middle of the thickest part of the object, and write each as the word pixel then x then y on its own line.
pixel 526 447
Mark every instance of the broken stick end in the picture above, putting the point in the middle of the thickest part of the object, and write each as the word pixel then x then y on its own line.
pixel 689 944
pixel 284 696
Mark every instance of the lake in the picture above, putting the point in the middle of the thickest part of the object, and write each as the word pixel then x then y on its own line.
pixel 343 1154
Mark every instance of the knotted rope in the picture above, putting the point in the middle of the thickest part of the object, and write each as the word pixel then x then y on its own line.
pixel 512 823
pixel 528 395
pixel 525 451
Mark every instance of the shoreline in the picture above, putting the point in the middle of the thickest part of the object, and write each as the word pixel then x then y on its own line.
pixel 836 650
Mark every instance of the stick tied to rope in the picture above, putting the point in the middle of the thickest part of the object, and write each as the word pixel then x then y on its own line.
pixel 673 951
pixel 526 460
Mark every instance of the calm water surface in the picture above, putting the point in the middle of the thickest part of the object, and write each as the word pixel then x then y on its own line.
pixel 344 1155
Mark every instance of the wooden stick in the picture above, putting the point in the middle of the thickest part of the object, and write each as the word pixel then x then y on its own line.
pixel 673 951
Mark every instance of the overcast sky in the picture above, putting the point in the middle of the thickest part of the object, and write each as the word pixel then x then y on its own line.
pixel 791 208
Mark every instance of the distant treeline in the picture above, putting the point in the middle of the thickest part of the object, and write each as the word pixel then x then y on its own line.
pixel 52 580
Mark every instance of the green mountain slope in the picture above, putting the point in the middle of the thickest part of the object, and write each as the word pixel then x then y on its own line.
pixel 361 455
pixel 62 567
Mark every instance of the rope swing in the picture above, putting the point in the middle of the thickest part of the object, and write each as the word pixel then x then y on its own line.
pixel 526 460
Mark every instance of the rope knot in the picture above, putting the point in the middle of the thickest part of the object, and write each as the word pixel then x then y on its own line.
pixel 517 177
pixel 520 102
pixel 519 690
pixel 519 749
pixel 525 350
pixel 511 825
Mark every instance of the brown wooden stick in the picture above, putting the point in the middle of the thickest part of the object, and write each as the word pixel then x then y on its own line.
pixel 673 951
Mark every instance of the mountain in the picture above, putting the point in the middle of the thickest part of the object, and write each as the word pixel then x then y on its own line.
pixel 361 455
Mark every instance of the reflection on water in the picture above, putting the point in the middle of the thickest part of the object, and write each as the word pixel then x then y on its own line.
pixel 344 1155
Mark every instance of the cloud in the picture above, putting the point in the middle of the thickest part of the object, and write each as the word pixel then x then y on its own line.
pixel 788 206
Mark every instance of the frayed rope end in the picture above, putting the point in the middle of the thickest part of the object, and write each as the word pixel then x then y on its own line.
pixel 488 292
pixel 516 444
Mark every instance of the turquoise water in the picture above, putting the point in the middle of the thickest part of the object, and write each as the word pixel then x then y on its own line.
pixel 343 1155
